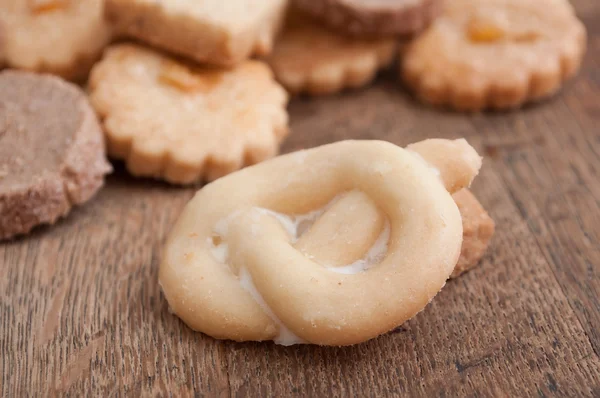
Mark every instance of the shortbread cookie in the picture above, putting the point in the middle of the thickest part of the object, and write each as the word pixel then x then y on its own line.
pixel 208 31
pixel 495 53
pixel 373 17
pixel 63 37
pixel 309 58
pixel 51 151
pixel 478 229
pixel 333 245
pixel 184 123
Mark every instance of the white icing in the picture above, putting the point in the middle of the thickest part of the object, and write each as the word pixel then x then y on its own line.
pixel 376 253
pixel 295 226
pixel 285 337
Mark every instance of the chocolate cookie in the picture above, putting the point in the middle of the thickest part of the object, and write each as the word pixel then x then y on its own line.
pixel 51 151
pixel 373 17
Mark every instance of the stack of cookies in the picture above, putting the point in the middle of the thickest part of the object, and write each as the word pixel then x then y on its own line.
pixel 193 90
pixel 184 103
pixel 188 104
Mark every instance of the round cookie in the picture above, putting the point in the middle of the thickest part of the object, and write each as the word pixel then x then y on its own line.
pixel 51 151
pixel 185 123
pixel 373 17
pixel 495 54
pixel 62 37
pixel 309 58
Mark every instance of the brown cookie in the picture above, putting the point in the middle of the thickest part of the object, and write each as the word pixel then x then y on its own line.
pixel 373 17
pixel 208 31
pixel 63 37
pixel 478 229
pixel 51 151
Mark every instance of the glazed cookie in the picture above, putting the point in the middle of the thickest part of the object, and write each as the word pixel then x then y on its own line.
pixel 63 37
pixel 309 58
pixel 373 17
pixel 51 151
pixel 495 53
pixel 332 246
pixel 208 31
pixel 184 123
pixel 478 229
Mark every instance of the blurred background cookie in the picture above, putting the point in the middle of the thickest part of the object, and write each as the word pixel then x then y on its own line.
pixel 373 17
pixel 210 31
pixel 184 123
pixel 63 37
pixel 51 151
pixel 309 58
pixel 478 229
pixel 495 53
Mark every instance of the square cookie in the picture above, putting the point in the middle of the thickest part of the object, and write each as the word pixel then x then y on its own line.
pixel 209 31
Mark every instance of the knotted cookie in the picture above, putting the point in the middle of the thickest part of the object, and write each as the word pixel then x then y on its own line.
pixel 332 246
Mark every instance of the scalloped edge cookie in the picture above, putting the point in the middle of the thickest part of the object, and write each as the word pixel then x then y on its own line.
pixel 183 123
pixel 495 54
pixel 307 58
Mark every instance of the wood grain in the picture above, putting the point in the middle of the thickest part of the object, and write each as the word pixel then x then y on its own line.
pixel 81 312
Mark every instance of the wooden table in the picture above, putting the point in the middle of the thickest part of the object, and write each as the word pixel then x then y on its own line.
pixel 81 310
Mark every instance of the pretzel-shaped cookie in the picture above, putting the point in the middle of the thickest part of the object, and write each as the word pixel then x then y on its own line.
pixel 385 236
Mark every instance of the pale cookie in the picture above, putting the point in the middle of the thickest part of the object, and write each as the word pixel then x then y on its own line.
pixel 208 31
pixel 478 229
pixel 51 151
pixel 373 17
pixel 333 245
pixel 63 37
pixel 495 53
pixel 184 123
pixel 309 58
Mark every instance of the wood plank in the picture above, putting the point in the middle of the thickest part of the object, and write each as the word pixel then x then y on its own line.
pixel 81 311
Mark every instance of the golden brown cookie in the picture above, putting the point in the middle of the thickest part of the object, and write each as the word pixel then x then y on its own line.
pixel 63 37
pixel 51 151
pixel 478 229
pixel 495 53
pixel 184 123
pixel 309 58
pixel 208 31
pixel 375 18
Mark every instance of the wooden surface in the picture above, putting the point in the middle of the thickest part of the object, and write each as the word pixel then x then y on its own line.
pixel 81 310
